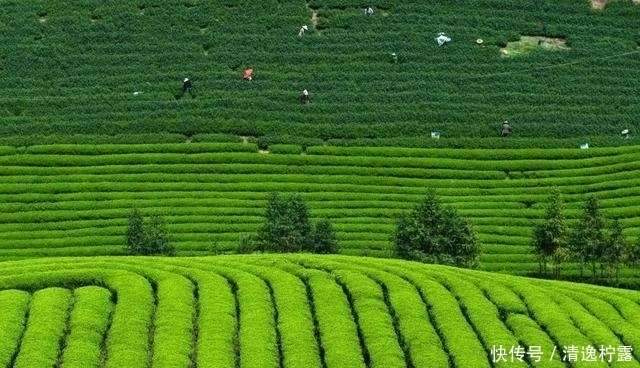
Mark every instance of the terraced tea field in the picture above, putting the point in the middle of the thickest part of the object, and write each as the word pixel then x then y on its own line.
pixel 303 311
pixel 73 200
pixel 110 69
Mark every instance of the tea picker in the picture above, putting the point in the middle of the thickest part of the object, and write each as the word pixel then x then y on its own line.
pixel 368 11
pixel 304 97
pixel 303 31
pixel 625 134
pixel 442 39
pixel 187 87
pixel 248 74
pixel 506 129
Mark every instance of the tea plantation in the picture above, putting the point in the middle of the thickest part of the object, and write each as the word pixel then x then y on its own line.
pixel 92 127
pixel 75 199
pixel 73 68
pixel 303 311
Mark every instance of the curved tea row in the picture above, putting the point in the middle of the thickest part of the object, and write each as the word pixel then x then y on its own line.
pixel 297 311
pixel 71 200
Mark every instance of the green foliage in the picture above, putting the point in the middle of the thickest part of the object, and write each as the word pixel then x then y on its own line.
pixel 324 239
pixel 614 250
pixel 550 238
pixel 147 240
pixel 280 233
pixel 45 328
pixel 158 237
pixel 287 228
pixel 336 62
pixel 14 304
pixel 295 310
pixel 88 324
pixel 632 254
pixel 75 200
pixel 137 238
pixel 433 233
pixel 245 244
pixel 588 239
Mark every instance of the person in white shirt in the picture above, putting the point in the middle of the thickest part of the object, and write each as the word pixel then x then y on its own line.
pixel 303 31
pixel 442 39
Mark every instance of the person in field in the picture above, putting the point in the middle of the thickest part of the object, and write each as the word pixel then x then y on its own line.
pixel 304 97
pixel 187 87
pixel 505 130
pixel 625 133
pixel 442 39
pixel 303 31
pixel 368 11
pixel 248 74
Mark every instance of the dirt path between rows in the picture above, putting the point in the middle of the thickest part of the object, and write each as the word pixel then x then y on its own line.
pixel 314 17
pixel 600 4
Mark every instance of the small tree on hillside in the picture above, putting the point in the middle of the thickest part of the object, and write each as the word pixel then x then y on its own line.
pixel 136 236
pixel 275 228
pixel 141 239
pixel 459 240
pixel 287 227
pixel 297 214
pixel 588 239
pixel 550 237
pixel 324 239
pixel 435 234
pixel 158 237
pixel 614 250
pixel 632 254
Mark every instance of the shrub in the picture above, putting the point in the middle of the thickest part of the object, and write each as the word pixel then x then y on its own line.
pixel 136 237
pixel 550 237
pixel 147 240
pixel 286 227
pixel 588 240
pixel 324 239
pixel 435 234
pixel 245 244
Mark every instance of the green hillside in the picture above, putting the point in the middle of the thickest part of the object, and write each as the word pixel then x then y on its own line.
pixel 73 200
pixel 91 128
pixel 73 67
pixel 303 311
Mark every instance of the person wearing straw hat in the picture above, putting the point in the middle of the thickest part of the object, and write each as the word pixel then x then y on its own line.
pixel 625 133
pixel 506 129
pixel 304 97
pixel 442 39
pixel 187 87
pixel 303 31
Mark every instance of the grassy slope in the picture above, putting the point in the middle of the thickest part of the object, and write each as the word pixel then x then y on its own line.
pixel 301 311
pixel 75 200
pixel 73 68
